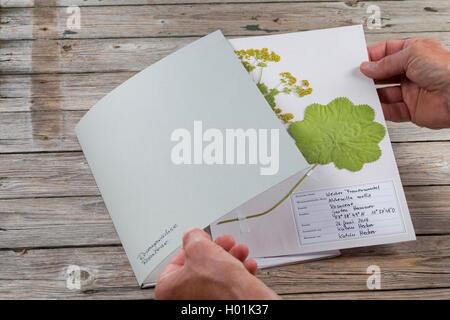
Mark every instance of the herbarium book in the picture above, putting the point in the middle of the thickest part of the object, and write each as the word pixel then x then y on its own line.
pixel 278 140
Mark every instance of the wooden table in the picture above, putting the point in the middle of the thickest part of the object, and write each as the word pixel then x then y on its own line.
pixel 56 238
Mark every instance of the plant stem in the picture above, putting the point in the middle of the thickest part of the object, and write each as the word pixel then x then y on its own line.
pixel 260 75
pixel 277 204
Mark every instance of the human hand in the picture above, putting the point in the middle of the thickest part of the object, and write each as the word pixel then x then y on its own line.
pixel 422 68
pixel 203 269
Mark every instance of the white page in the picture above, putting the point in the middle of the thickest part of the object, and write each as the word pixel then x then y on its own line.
pixel 329 59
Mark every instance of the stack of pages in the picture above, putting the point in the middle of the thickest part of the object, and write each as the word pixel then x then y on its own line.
pixel 278 141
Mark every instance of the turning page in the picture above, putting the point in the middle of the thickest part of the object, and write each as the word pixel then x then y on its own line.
pixel 181 144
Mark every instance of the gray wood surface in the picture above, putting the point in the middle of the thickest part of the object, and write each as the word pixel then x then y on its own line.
pixel 83 221
pixel 235 19
pixel 104 272
pixel 67 173
pixel 56 238
pixel 54 131
pixel 118 55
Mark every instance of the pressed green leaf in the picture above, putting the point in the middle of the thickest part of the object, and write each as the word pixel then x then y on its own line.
pixel 339 132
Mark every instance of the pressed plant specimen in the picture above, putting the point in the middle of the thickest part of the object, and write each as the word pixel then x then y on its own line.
pixel 339 132
pixel 255 60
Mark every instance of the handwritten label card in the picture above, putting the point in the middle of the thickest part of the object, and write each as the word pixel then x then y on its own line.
pixel 347 213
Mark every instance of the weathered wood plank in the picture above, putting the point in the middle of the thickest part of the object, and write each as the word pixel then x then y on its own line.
pixel 407 131
pixel 85 3
pixel 45 175
pixel 427 294
pixel 67 174
pixel 39 131
pixel 81 221
pixel 242 19
pixel 55 222
pixel 54 132
pixel 106 272
pixel 56 91
pixel 57 289
pixel 401 267
pixel 423 163
pixel 108 55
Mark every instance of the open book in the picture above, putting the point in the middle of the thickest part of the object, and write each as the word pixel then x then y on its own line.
pixel 205 137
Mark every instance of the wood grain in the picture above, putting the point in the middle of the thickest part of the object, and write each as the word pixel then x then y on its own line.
pixel 67 174
pixel 112 55
pixel 200 19
pixel 105 271
pixel 399 263
pixel 55 222
pixel 434 294
pixel 84 3
pixel 55 131
pixel 423 163
pixel 83 221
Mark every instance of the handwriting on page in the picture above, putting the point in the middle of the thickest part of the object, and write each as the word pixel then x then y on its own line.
pixel 347 213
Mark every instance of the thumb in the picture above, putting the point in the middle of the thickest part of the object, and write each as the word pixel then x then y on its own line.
pixel 195 242
pixel 389 66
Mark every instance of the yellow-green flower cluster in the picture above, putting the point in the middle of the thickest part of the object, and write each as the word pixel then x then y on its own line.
pixel 304 89
pixel 288 78
pixel 259 55
pixel 286 117
pixel 254 58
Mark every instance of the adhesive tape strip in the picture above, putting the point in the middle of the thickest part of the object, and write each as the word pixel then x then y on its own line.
pixel 243 223
pixel 310 172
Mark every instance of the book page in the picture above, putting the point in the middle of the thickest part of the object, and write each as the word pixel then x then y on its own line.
pixel 134 138
pixel 312 83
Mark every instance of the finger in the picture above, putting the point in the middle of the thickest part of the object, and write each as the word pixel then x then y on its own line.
pixel 390 94
pixel 397 112
pixel 251 266
pixel 239 251
pixel 384 48
pixel 225 241
pixel 389 66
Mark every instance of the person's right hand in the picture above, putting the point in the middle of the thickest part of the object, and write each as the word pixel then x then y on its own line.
pixel 204 269
pixel 422 68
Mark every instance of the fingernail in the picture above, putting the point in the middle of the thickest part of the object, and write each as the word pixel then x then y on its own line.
pixel 368 65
